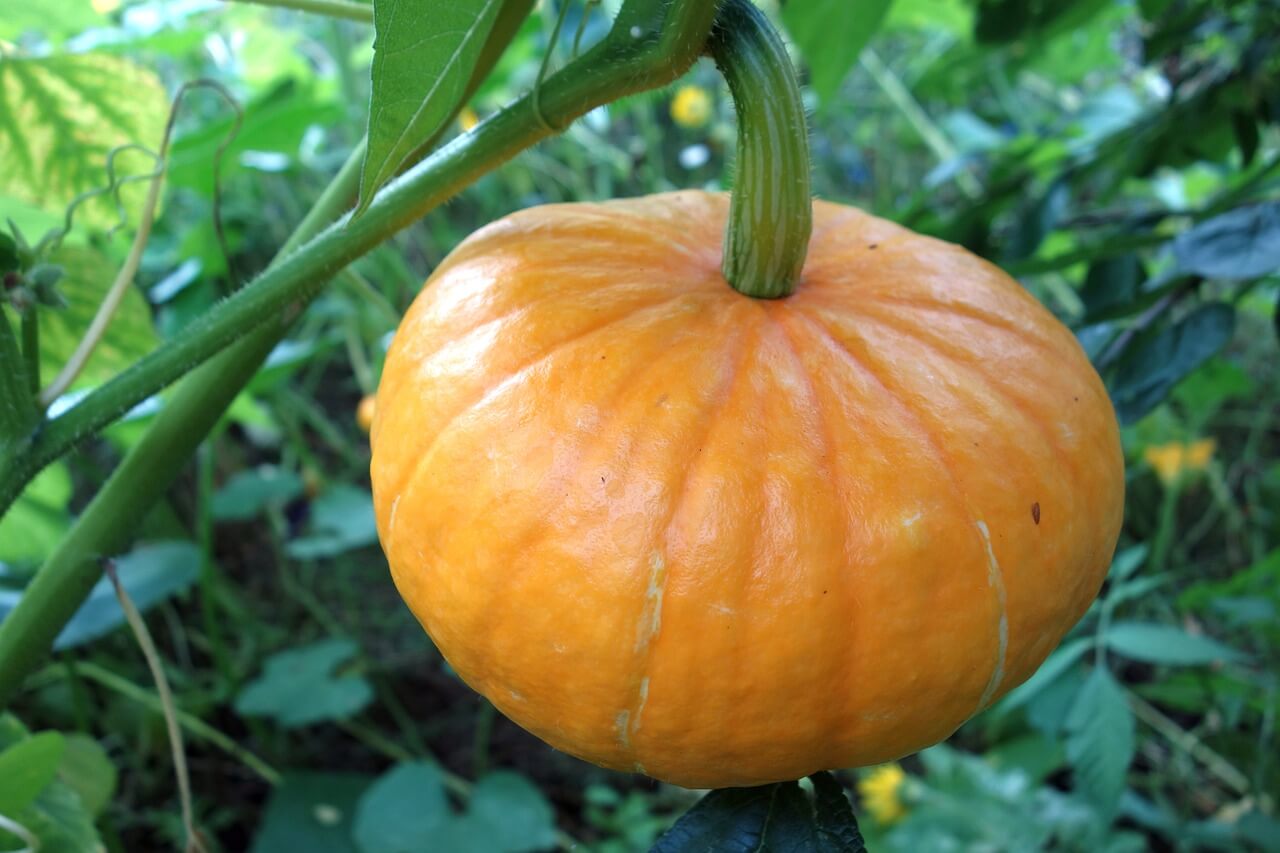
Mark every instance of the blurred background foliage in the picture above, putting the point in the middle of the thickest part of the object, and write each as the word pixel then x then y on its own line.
pixel 1120 158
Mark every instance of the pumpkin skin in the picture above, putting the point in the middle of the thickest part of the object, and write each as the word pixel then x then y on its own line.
pixel 723 541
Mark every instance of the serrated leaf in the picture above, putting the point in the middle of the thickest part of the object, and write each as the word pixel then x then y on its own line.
pixel 834 814
pixel 1243 243
pixel 299 687
pixel 1100 739
pixel 778 817
pixel 149 573
pixel 1167 644
pixel 1062 659
pixel 1152 366
pixel 87 275
pixel 60 116
pixel 423 57
pixel 830 37
pixel 27 768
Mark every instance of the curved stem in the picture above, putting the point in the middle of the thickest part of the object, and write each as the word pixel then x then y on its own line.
pixel 652 42
pixel 771 212
pixel 351 11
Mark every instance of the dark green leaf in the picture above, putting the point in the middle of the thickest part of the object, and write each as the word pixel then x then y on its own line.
pixel 248 493
pixel 830 36
pixel 777 818
pixel 1110 284
pixel 27 768
pixel 424 54
pixel 299 687
pixel 404 811
pixel 149 573
pixel 511 814
pixel 1167 644
pixel 1241 244
pixel 1150 367
pixel 60 116
pixel 1100 739
pixel 342 519
pixel 9 260
pixel 314 812
pixel 1036 222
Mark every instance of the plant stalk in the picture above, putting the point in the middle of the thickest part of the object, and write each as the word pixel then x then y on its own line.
pixel 771 211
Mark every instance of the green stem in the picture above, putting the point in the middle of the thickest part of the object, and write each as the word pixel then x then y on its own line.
pixel 771 213
pixel 346 9
pixel 17 403
pixel 31 348
pixel 652 42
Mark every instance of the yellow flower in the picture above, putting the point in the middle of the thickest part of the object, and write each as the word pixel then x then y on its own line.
pixel 467 119
pixel 691 107
pixel 105 7
pixel 1169 461
pixel 881 793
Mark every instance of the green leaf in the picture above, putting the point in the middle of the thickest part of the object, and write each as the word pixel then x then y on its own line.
pixel 27 768
pixel 1128 561
pixel 1062 659
pixel 60 820
pixel 1100 739
pixel 510 814
pixel 248 493
pixel 1111 284
pixel 61 115
pixel 1241 244
pixel 1150 368
pixel 778 817
pixel 314 812
pixel 424 54
pixel 830 36
pixel 87 275
pixel 36 522
pixel 1167 644
pixel 149 573
pixel 341 519
pixel 87 770
pixel 299 687
pixel 406 810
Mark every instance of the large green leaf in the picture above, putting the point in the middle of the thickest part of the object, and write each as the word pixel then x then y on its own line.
pixel 32 527
pixel 424 54
pixel 1169 644
pixel 87 276
pixel 778 817
pixel 149 573
pixel 407 810
pixel 59 118
pixel 1100 739
pixel 341 519
pixel 1155 363
pixel 830 35
pixel 1244 243
pixel 27 768
pixel 314 812
pixel 300 686
pixel 86 769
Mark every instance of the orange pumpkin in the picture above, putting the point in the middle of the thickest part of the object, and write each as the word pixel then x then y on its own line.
pixel 672 529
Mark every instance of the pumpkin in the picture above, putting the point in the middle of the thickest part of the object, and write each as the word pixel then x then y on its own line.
pixel 724 541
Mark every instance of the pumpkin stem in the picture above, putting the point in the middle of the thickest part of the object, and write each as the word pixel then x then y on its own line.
pixel 771 212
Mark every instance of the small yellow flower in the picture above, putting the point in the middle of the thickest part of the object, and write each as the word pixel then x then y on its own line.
pixel 1171 460
pixel 105 7
pixel 364 413
pixel 881 793
pixel 691 107
pixel 467 119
